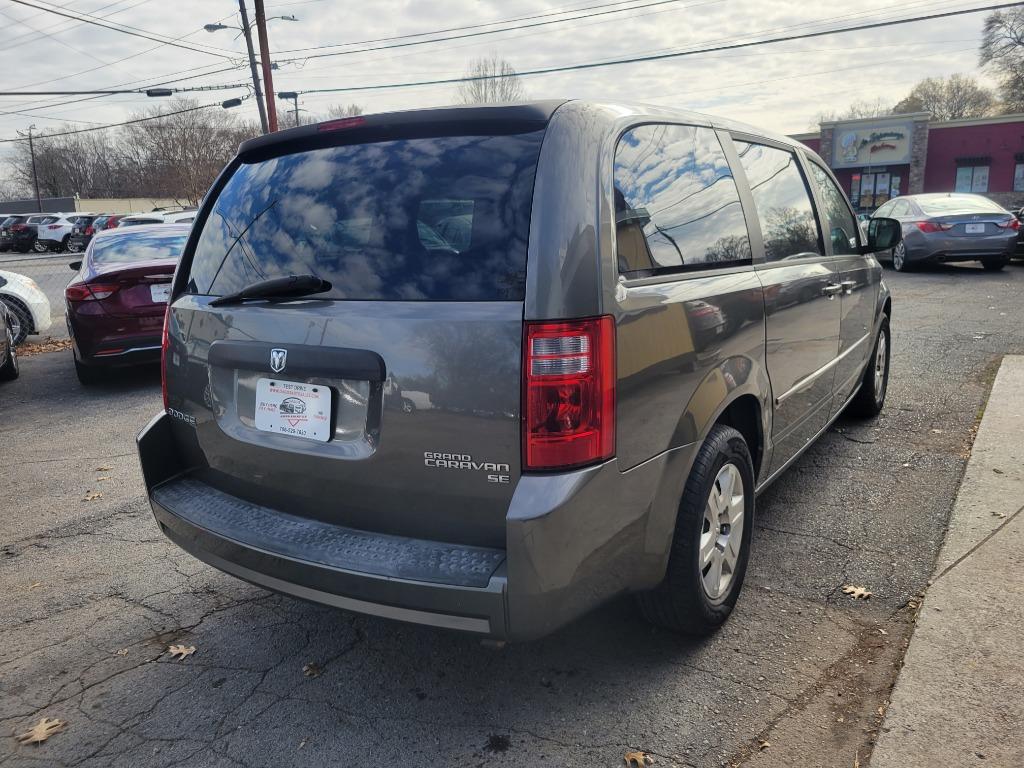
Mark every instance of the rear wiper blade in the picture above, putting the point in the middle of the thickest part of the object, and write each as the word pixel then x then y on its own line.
pixel 275 288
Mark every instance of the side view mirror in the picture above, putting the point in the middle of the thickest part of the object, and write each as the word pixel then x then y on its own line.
pixel 74 266
pixel 883 235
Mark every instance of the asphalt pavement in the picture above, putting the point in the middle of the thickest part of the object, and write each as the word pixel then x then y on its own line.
pixel 800 675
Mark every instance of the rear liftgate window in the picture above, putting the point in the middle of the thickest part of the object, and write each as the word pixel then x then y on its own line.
pixel 424 219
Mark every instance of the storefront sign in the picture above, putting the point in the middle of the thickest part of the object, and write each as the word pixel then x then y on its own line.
pixel 860 144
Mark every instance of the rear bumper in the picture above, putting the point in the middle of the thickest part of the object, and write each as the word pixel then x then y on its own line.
pixel 940 249
pixel 574 540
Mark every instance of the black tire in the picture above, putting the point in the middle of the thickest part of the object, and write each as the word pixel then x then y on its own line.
pixel 870 399
pixel 681 603
pixel 9 371
pixel 899 258
pixel 87 374
pixel 24 318
pixel 994 265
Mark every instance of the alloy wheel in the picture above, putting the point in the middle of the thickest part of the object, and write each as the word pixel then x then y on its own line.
pixel 899 255
pixel 881 362
pixel 721 537
pixel 13 324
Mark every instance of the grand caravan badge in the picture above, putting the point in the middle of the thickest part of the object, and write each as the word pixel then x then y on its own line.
pixel 497 473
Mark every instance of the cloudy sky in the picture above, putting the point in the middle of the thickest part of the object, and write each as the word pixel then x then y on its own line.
pixel 781 87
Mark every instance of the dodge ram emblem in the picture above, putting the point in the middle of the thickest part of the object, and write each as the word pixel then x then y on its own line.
pixel 278 358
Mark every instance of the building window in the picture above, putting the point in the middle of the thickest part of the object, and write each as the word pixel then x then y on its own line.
pixel 1018 177
pixel 971 178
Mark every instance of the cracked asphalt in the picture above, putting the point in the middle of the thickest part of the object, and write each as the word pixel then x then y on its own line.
pixel 93 595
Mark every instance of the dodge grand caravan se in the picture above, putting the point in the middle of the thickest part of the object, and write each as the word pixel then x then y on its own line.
pixel 484 368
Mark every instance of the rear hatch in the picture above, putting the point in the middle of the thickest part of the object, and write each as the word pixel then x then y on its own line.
pixel 390 402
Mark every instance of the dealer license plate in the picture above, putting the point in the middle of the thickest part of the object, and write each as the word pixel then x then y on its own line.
pixel 974 229
pixel 160 292
pixel 293 408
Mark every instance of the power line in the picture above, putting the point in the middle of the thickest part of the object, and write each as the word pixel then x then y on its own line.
pixel 61 26
pixel 481 33
pixel 674 55
pixel 41 136
pixel 471 26
pixel 124 29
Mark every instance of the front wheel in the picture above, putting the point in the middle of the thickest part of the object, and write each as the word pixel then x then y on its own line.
pixel 39 246
pixel 869 400
pixel 711 544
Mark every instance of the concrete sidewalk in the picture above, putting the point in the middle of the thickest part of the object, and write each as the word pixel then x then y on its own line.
pixel 959 700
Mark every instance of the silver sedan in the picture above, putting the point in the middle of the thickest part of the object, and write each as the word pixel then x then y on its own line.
pixel 951 227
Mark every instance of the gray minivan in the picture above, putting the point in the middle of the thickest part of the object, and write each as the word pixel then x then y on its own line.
pixel 485 368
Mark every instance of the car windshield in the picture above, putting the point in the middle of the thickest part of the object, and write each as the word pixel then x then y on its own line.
pixel 138 246
pixel 423 219
pixel 952 204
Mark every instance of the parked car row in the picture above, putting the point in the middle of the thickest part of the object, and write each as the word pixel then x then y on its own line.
pixel 58 232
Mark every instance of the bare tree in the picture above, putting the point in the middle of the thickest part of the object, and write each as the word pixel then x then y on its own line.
pixel 1002 53
pixel 951 98
pixel 170 155
pixel 494 81
pixel 859 109
pixel 338 111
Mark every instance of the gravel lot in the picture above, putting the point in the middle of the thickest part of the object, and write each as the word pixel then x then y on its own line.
pixel 93 595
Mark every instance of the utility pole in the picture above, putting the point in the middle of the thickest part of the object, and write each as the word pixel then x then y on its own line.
pixel 268 78
pixel 294 96
pixel 35 175
pixel 252 65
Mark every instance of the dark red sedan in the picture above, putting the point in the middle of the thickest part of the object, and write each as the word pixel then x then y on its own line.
pixel 116 302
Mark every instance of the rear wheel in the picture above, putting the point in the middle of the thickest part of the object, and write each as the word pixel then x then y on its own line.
pixel 899 258
pixel 711 544
pixel 9 370
pixel 87 374
pixel 39 246
pixel 870 398
pixel 994 265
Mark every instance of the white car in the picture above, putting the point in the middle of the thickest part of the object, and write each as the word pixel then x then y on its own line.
pixel 158 217
pixel 54 234
pixel 30 309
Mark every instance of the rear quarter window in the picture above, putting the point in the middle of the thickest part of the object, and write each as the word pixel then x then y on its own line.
pixel 676 203
pixel 421 219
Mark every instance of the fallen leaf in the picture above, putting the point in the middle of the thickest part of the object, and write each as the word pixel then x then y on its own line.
pixel 882 632
pixel 181 651
pixel 49 344
pixel 302 744
pixel 764 745
pixel 857 593
pixel 35 585
pixel 41 731
pixel 101 479
pixel 92 496
pixel 122 652
pixel 103 469
pixel 638 758
pixel 998 471
pixel 311 670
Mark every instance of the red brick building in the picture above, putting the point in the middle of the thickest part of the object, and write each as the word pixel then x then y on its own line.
pixel 880 157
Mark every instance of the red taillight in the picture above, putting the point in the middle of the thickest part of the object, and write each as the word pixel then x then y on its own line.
pixel 19 227
pixel 342 124
pixel 90 291
pixel 569 393
pixel 932 226
pixel 1013 223
pixel 165 343
pixel 90 231
pixel 53 226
